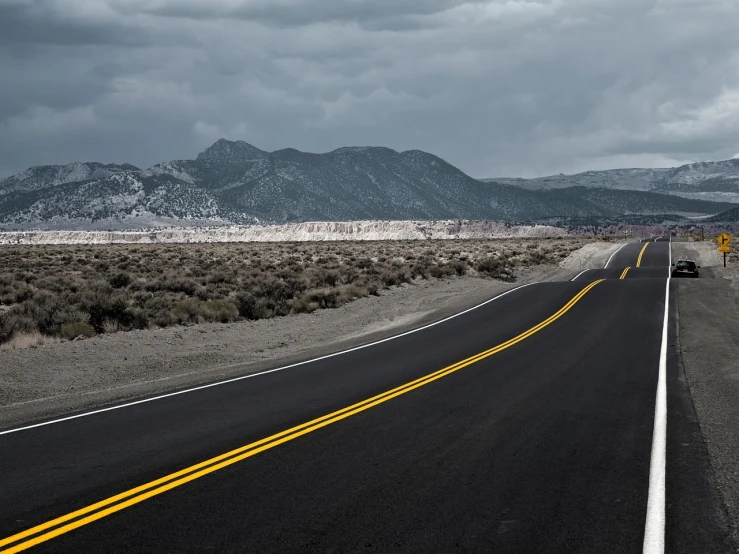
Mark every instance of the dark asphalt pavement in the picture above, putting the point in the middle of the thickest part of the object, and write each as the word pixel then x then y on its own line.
pixel 543 446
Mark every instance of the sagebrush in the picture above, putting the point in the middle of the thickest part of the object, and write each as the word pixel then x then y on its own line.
pixel 71 290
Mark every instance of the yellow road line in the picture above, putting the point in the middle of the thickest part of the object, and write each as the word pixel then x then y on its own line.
pixel 173 480
pixel 638 261
pixel 623 275
pixel 655 240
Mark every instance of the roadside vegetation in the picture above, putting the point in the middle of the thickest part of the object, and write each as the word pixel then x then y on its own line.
pixel 51 293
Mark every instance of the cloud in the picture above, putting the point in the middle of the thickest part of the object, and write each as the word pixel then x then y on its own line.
pixel 715 119
pixel 286 13
pixel 482 13
pixel 45 22
pixel 46 122
pixel 497 87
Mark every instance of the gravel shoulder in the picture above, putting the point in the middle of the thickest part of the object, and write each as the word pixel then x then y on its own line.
pixel 71 376
pixel 709 344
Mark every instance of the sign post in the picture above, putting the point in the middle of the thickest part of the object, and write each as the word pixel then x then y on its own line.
pixel 723 239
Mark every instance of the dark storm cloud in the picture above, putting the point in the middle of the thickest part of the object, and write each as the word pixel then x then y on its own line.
pixel 61 86
pixel 497 87
pixel 36 23
pixel 50 22
pixel 299 12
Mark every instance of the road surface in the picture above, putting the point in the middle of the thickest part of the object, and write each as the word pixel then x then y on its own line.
pixel 532 423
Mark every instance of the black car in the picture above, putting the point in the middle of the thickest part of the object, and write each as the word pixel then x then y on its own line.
pixel 685 268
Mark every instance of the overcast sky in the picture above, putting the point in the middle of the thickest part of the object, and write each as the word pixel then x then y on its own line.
pixel 497 87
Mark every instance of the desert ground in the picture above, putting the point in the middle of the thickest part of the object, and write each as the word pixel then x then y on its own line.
pixel 72 291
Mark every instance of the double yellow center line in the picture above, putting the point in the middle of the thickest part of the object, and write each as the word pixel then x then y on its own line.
pixel 66 523
pixel 623 275
pixel 638 261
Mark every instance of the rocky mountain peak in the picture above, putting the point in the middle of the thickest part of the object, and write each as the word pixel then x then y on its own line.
pixel 226 151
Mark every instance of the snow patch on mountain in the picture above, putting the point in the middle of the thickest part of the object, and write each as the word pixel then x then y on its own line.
pixel 47 176
pixel 173 168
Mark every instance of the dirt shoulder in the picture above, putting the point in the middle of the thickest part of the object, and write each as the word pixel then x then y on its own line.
pixel 591 256
pixel 709 344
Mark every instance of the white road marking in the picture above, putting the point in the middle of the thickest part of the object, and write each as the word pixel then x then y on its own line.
pixel 218 383
pixel 612 255
pixel 578 275
pixel 654 529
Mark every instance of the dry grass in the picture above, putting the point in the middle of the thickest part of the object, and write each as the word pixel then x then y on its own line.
pixel 71 290
pixel 28 340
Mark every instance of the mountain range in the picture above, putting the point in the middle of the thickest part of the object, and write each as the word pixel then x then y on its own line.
pixel 235 182
pixel 718 181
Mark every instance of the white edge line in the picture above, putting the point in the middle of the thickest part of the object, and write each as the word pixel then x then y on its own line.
pixel 612 255
pixel 654 528
pixel 578 275
pixel 218 383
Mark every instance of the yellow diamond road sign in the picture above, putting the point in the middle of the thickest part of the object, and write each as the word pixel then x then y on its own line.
pixel 724 249
pixel 723 239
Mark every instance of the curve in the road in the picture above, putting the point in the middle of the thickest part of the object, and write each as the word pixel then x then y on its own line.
pixel 552 440
pixel 143 492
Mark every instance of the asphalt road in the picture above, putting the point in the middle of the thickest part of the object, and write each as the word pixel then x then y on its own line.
pixel 524 425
